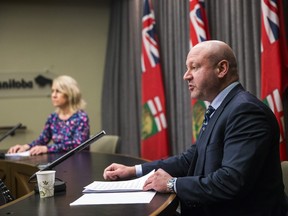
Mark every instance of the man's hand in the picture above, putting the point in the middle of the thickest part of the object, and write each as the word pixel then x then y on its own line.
pixel 118 171
pixel 158 181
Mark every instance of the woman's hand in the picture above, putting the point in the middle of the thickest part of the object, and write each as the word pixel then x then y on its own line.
pixel 39 149
pixel 18 148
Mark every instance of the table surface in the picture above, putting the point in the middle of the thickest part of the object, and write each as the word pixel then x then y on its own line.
pixel 78 171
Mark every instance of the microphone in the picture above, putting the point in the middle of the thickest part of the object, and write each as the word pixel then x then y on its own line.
pixel 11 131
pixel 59 184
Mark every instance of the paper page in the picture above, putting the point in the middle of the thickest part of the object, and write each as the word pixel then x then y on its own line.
pixel 18 154
pixel 117 186
pixel 115 198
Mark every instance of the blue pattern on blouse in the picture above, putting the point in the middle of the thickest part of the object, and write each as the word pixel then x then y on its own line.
pixel 64 134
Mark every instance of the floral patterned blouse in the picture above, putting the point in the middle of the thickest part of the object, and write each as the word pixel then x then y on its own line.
pixel 64 134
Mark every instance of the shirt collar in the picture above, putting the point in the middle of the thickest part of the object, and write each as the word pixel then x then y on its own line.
pixel 221 96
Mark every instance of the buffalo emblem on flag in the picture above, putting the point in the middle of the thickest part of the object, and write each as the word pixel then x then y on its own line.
pixel 153 118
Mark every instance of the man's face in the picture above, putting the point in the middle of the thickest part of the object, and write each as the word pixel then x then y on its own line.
pixel 201 74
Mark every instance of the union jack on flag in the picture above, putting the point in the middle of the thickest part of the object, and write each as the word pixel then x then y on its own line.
pixel 154 135
pixel 198 22
pixel 274 77
pixel 198 33
pixel 270 19
pixel 150 49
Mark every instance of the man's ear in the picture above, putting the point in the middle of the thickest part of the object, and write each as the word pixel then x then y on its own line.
pixel 223 67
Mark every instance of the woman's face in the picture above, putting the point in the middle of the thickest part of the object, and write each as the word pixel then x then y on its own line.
pixel 58 98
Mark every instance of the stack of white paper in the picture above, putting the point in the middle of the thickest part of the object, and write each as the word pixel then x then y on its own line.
pixel 18 154
pixel 116 192
pixel 117 186
pixel 114 198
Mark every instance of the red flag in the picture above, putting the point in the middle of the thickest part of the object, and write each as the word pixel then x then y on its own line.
pixel 198 33
pixel 198 22
pixel 154 126
pixel 273 72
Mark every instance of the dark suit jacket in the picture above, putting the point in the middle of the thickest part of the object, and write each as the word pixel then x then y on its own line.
pixel 234 167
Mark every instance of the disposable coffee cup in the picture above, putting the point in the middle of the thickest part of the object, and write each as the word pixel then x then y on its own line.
pixel 45 181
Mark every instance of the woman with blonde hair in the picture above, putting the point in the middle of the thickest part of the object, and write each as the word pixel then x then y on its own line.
pixel 67 127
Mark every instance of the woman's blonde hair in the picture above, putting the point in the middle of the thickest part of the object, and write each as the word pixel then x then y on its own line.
pixel 68 86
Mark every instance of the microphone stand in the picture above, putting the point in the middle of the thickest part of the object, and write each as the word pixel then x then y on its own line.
pixel 11 131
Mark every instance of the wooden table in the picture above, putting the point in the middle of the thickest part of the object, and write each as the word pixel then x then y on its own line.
pixel 78 171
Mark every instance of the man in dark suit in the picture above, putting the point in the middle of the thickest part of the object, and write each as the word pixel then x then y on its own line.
pixel 234 167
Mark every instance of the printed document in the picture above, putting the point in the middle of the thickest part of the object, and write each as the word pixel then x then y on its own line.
pixel 115 198
pixel 117 186
pixel 116 192
pixel 18 154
